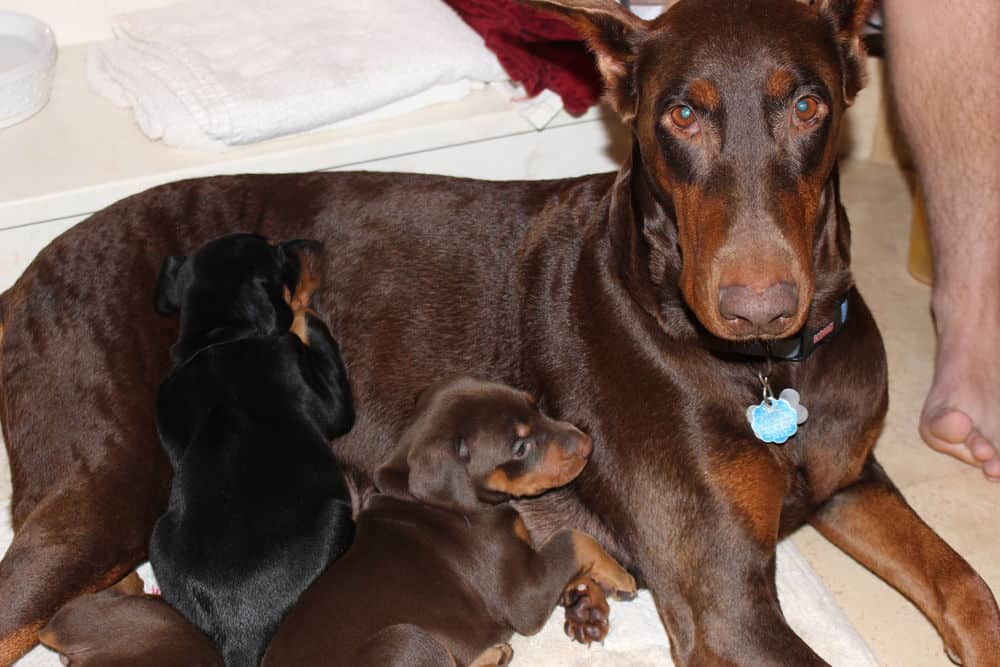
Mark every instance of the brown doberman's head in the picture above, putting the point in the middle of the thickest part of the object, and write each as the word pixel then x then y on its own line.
pixel 472 444
pixel 735 108
pixel 236 286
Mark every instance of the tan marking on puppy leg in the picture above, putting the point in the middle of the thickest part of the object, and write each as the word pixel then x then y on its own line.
pixel 300 327
pixel 521 530
pixel 597 564
pixel 131 584
pixel 495 656
pixel 309 275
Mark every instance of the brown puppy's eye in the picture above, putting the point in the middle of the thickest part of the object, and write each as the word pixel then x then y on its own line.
pixel 683 118
pixel 806 110
pixel 462 449
pixel 521 448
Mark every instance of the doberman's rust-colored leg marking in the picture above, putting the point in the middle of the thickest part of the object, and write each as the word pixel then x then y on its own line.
pixel 873 523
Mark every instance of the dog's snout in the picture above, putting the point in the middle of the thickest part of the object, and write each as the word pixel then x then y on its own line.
pixel 766 311
pixel 576 443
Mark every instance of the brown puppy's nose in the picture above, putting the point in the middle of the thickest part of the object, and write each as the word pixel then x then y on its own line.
pixel 768 311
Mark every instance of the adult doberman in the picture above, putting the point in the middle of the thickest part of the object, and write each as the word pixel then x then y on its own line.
pixel 632 304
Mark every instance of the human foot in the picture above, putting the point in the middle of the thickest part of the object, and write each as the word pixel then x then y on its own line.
pixel 961 416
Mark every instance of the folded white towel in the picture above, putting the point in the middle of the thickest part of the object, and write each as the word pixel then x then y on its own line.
pixel 212 73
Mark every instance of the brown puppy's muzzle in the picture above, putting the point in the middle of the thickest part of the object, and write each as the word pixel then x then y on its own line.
pixel 564 456
pixel 567 454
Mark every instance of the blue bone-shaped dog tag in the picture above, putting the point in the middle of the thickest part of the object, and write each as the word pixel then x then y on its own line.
pixel 777 419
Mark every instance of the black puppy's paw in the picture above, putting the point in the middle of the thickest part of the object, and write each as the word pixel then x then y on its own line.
pixel 587 611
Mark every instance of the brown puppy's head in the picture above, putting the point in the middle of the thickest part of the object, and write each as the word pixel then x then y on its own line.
pixel 735 107
pixel 472 444
pixel 235 287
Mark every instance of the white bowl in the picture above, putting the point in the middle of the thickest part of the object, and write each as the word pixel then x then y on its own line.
pixel 27 64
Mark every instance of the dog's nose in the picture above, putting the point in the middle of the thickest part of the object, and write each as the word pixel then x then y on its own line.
pixel 766 311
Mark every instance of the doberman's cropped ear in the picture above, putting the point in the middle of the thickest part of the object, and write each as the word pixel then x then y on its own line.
pixel 847 18
pixel 168 296
pixel 306 276
pixel 613 34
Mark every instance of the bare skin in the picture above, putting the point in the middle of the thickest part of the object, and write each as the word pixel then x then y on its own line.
pixel 946 77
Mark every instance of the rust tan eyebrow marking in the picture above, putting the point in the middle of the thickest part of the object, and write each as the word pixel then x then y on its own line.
pixel 702 93
pixel 523 430
pixel 780 83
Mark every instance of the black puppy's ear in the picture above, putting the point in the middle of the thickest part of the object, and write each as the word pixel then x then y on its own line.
pixel 168 296
pixel 304 274
pixel 847 18
pixel 614 35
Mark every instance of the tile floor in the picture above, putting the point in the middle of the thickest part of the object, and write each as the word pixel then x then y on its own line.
pixel 955 500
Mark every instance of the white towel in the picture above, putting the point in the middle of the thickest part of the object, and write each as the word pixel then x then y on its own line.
pixel 213 73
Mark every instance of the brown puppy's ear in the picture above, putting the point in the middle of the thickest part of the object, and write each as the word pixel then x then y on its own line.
pixel 167 295
pixel 439 476
pixel 427 466
pixel 310 258
pixel 613 34
pixel 847 18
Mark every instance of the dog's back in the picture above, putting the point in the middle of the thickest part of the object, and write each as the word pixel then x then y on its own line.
pixel 259 505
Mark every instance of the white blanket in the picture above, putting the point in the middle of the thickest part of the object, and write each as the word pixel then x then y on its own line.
pixel 212 73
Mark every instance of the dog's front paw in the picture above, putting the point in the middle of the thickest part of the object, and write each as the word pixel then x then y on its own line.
pixel 586 611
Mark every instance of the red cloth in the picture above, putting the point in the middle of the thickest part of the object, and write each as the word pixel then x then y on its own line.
pixel 536 48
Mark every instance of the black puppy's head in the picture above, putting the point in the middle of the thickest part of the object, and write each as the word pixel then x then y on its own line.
pixel 234 287
pixel 472 444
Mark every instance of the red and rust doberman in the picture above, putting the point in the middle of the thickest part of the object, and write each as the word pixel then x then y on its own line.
pixel 636 305
pixel 442 566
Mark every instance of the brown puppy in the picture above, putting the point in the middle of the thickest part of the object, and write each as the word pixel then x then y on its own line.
pixel 442 568
pixel 121 627
pixel 632 302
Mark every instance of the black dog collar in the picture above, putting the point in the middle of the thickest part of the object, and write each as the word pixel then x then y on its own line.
pixel 798 348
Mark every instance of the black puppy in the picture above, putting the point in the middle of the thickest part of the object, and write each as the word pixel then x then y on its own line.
pixel 259 505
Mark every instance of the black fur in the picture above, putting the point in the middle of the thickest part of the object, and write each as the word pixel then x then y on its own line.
pixel 259 506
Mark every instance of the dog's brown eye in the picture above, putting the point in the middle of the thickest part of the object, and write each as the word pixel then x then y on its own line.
pixel 683 117
pixel 521 448
pixel 462 449
pixel 806 109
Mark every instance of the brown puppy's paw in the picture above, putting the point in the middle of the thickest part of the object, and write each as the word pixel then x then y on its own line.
pixel 495 656
pixel 586 610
